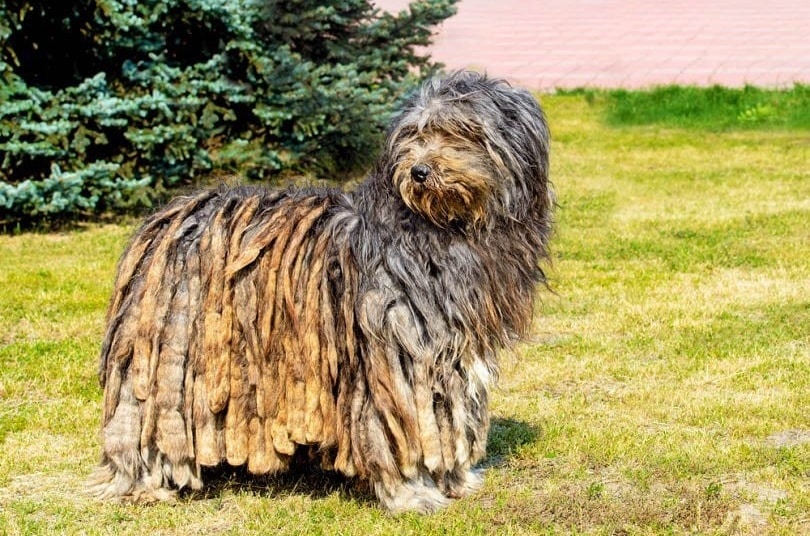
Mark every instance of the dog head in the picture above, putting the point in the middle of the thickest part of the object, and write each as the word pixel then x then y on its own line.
pixel 470 150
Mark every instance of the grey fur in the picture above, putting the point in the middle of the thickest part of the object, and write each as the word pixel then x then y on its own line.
pixel 361 327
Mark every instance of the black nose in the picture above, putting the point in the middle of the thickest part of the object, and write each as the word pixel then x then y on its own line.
pixel 420 172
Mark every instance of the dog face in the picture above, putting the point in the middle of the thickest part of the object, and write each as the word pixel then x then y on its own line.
pixel 446 177
pixel 467 150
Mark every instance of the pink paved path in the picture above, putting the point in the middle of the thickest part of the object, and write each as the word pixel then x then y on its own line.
pixel 548 44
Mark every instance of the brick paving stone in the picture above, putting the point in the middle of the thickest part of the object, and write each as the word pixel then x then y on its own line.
pixel 549 44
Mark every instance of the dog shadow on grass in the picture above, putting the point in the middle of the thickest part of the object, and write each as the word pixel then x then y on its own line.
pixel 301 479
pixel 505 437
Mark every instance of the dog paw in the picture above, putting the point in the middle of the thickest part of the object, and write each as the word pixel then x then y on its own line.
pixel 463 484
pixel 412 496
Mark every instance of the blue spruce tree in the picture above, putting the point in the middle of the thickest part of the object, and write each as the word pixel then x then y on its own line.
pixel 108 104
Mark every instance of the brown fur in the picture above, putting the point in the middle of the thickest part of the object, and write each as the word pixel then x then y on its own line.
pixel 248 325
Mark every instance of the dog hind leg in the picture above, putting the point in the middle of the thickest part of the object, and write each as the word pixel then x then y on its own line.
pixel 130 473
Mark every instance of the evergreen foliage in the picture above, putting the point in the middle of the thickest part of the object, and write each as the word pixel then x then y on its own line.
pixel 106 104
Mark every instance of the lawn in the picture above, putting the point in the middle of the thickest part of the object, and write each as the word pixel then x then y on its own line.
pixel 665 390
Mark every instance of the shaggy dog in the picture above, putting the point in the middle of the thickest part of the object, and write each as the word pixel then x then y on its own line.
pixel 357 330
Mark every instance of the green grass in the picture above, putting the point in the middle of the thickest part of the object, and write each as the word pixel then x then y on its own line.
pixel 666 389
pixel 714 108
